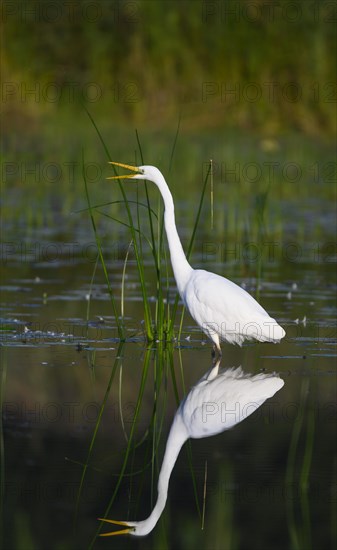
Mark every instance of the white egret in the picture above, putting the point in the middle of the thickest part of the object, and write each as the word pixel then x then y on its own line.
pixel 222 309
pixel 216 403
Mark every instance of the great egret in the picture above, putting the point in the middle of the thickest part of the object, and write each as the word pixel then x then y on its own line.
pixel 223 310
pixel 216 403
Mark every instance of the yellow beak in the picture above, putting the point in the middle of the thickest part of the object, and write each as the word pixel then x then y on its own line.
pixel 133 168
pixel 115 522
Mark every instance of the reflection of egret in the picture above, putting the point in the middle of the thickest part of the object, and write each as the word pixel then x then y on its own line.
pixel 216 403
pixel 223 310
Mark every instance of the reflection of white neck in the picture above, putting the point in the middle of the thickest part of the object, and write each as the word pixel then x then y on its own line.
pixel 180 265
pixel 177 437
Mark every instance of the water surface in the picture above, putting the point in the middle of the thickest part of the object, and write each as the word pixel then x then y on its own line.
pixel 270 481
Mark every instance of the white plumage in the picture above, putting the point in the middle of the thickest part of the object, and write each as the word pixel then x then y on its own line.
pixel 222 399
pixel 222 309
pixel 216 403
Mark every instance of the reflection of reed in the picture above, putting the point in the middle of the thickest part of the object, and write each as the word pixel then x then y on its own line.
pixel 3 374
pixel 219 401
pixel 297 487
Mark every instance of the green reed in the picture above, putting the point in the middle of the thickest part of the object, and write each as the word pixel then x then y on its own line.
pixel 130 443
pixel 137 251
pixel 261 200
pixel 299 521
pixel 100 254
pixel 159 324
pixel 3 374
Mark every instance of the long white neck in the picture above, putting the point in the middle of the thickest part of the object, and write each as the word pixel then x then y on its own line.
pixel 180 265
pixel 177 437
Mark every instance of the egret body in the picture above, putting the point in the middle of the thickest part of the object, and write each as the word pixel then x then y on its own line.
pixel 216 403
pixel 222 309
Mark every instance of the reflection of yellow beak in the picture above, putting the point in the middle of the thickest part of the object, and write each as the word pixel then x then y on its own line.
pixel 133 168
pixel 121 531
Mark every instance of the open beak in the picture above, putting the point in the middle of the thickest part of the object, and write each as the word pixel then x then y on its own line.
pixel 128 167
pixel 121 531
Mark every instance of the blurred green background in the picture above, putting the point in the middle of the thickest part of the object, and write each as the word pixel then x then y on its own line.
pixel 245 81
pixel 260 66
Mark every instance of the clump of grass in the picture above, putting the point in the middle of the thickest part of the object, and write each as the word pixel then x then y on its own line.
pixel 159 324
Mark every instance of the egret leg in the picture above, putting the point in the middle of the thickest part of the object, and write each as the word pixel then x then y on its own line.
pixel 214 370
pixel 216 353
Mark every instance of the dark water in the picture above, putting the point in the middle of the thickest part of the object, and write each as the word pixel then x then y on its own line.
pixel 271 480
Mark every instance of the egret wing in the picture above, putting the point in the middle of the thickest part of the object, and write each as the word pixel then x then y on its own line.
pixel 219 404
pixel 221 307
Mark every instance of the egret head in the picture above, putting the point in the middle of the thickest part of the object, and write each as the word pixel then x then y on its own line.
pixel 135 528
pixel 150 173
pixel 127 528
